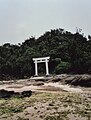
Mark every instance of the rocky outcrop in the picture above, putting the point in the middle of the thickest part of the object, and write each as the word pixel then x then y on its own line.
pixel 26 93
pixel 8 94
pixel 78 80
pixel 84 80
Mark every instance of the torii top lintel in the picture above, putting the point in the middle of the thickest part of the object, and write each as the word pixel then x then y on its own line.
pixel 42 59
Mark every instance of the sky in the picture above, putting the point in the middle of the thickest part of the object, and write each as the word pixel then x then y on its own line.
pixel 21 19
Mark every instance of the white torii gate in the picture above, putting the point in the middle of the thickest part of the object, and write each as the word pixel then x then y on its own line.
pixel 39 60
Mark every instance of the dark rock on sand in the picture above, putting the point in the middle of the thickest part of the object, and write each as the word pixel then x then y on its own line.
pixel 8 94
pixel 26 93
pixel 79 80
pixel 84 81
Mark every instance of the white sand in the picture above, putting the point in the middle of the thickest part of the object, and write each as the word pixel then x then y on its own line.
pixel 21 87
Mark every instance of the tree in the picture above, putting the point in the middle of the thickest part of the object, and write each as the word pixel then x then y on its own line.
pixel 69 53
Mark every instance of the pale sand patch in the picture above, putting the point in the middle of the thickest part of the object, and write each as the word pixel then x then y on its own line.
pixel 55 87
pixel 64 87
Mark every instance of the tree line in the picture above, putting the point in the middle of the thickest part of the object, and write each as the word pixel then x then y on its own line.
pixel 70 53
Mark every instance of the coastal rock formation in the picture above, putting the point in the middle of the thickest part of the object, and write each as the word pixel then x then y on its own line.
pixel 8 94
pixel 76 80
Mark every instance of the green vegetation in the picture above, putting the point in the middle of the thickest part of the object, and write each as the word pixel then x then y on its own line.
pixel 21 118
pixel 13 107
pixel 70 53
pixel 53 118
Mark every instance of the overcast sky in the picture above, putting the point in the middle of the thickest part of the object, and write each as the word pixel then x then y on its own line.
pixel 21 19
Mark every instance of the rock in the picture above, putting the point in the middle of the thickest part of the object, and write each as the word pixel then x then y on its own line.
pixel 38 83
pixel 82 80
pixel 6 94
pixel 26 93
pixel 79 80
pixel 56 79
pixel 68 79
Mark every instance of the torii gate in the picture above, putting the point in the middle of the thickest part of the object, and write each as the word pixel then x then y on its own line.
pixel 39 60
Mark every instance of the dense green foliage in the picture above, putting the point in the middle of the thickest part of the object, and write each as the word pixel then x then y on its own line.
pixel 69 53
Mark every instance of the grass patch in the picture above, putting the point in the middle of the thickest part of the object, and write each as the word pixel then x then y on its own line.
pixel 60 103
pixel 22 118
pixel 54 118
